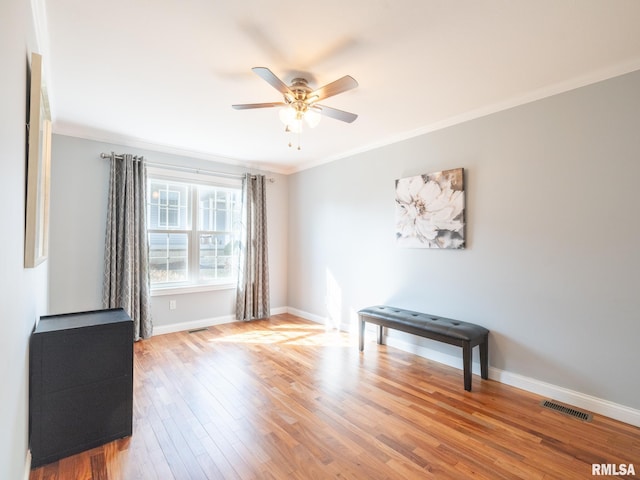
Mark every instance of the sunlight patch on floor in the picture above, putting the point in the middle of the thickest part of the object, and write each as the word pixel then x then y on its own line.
pixel 292 334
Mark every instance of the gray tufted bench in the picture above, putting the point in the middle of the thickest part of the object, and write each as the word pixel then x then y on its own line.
pixel 454 332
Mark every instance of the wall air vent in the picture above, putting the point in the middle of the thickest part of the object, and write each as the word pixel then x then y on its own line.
pixel 572 412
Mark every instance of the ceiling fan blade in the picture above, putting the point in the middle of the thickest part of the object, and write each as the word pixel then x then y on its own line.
pixel 334 88
pixel 269 77
pixel 335 113
pixel 246 106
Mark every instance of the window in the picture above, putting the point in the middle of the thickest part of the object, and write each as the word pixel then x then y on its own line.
pixel 193 228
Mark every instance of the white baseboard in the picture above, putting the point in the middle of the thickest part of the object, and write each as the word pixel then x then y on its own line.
pixel 326 321
pixel 203 323
pixel 307 316
pixel 27 466
pixel 195 324
pixel 582 400
pixel 593 404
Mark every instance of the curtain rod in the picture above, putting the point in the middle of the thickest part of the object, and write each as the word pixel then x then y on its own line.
pixel 118 157
pixel 184 169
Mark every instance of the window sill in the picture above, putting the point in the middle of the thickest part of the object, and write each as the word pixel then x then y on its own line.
pixel 159 291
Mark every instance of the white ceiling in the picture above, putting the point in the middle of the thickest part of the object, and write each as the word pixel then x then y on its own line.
pixel 163 74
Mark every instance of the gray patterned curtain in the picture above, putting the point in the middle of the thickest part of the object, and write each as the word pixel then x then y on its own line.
pixel 126 266
pixel 252 300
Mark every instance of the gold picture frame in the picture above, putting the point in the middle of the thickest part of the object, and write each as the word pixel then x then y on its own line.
pixel 36 244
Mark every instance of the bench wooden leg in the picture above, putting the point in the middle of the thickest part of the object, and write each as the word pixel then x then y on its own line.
pixel 484 358
pixel 466 365
pixel 380 337
pixel 361 335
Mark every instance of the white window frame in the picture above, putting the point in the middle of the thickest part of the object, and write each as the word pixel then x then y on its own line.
pixel 191 285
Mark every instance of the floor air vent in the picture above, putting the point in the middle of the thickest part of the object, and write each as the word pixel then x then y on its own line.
pixel 572 412
pixel 195 330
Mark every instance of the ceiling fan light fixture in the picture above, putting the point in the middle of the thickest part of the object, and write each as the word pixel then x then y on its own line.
pixel 292 116
pixel 287 114
pixel 312 117
pixel 299 101
pixel 294 127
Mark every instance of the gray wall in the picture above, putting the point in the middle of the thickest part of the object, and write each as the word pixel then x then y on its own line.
pixel 552 265
pixel 79 187
pixel 24 291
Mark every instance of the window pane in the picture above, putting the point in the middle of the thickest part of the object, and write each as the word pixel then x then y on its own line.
pixel 168 205
pixel 168 257
pixel 218 208
pixel 218 254
pixel 206 214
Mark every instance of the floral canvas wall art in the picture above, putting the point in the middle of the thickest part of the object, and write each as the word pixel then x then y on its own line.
pixel 430 210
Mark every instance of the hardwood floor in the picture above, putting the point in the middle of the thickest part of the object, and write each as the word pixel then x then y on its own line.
pixel 285 399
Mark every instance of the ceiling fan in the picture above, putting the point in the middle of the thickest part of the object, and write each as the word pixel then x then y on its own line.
pixel 300 101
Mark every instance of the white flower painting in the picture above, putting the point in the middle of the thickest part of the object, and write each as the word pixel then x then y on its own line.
pixel 430 210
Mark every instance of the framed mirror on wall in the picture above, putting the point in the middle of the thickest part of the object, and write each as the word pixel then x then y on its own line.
pixel 38 169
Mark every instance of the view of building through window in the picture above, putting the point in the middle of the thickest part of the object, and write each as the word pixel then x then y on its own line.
pixel 193 232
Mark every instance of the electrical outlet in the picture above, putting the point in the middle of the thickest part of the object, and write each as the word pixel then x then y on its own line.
pixel 172 304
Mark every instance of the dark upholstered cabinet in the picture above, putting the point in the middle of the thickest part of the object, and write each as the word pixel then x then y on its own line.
pixel 81 382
